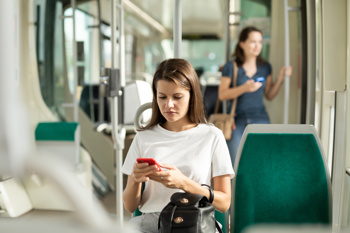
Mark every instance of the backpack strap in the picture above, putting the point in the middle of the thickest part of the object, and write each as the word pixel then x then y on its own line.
pixel 218 226
pixel 168 230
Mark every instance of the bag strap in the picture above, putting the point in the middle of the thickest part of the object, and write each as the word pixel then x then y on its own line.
pixel 233 108
pixel 171 221
pixel 218 227
pixel 234 103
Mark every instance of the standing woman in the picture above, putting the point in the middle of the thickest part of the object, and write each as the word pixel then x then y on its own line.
pixel 254 80
pixel 190 151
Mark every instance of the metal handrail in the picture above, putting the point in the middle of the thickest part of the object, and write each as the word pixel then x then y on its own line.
pixel 177 28
pixel 286 60
pixel 139 112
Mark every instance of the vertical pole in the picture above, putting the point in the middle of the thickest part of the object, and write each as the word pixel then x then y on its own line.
pixel 101 109
pixel 118 126
pixel 311 62
pixel 113 33
pixel 118 75
pixel 75 91
pixel 75 67
pixel 100 33
pixel 121 43
pixel 118 135
pixel 286 59
pixel 227 31
pixel 177 33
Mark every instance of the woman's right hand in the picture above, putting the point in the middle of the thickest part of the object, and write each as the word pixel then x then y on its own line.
pixel 251 85
pixel 133 189
pixel 141 171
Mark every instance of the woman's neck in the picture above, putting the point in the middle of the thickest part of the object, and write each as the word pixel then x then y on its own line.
pixel 250 61
pixel 250 66
pixel 178 126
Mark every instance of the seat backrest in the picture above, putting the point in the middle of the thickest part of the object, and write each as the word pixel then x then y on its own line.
pixel 281 177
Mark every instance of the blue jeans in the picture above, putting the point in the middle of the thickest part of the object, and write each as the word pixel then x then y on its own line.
pixel 241 123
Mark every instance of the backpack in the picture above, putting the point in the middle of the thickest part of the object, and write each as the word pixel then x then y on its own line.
pixel 188 213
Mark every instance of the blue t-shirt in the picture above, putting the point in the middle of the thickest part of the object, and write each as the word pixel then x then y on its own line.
pixel 249 104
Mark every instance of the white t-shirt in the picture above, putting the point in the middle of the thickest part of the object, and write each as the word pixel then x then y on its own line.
pixel 199 153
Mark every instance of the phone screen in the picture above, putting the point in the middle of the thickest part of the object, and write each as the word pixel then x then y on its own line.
pixel 260 79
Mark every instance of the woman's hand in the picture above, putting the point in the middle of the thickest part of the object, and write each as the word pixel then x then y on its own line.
pixel 285 71
pixel 170 178
pixel 288 70
pixel 132 191
pixel 251 85
pixel 142 171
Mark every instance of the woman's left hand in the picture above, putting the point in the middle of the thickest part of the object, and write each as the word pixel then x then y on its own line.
pixel 285 71
pixel 288 70
pixel 170 178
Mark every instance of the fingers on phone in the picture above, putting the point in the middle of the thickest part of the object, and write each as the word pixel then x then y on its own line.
pixel 155 167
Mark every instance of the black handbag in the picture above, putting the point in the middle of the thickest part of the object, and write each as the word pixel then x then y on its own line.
pixel 188 213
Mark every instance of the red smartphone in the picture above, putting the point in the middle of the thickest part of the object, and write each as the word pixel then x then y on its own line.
pixel 150 161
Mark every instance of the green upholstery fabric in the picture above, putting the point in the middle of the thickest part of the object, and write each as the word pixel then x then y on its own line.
pixel 137 212
pixel 281 178
pixel 55 131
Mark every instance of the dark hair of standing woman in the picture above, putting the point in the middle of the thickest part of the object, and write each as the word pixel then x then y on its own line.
pixel 182 73
pixel 238 54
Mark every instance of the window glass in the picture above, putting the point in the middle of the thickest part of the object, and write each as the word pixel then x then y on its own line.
pixel 49 51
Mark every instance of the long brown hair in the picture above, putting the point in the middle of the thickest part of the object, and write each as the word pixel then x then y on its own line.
pixel 180 72
pixel 238 54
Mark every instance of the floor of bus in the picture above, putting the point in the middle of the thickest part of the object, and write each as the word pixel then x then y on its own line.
pixel 109 204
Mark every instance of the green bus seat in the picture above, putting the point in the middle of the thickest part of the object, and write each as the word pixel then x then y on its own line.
pixel 281 177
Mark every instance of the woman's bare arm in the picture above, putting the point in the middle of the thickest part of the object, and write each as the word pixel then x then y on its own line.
pixel 132 195
pixel 132 191
pixel 222 193
pixel 272 88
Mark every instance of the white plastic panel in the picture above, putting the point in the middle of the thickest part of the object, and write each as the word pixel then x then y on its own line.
pixel 14 198
pixel 334 44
